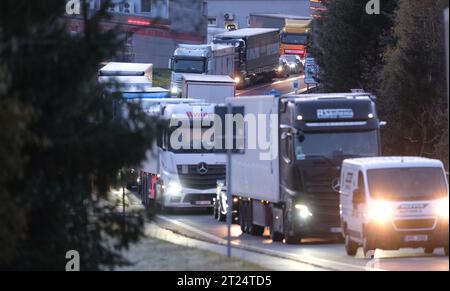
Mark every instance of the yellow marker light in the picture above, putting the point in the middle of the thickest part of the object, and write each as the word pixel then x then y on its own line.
pixel 380 212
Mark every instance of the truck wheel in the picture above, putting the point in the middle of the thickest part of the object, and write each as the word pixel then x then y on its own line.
pixel 242 219
pixel 275 236
pixel 429 250
pixel 292 239
pixel 350 246
pixel 257 230
pixel 368 248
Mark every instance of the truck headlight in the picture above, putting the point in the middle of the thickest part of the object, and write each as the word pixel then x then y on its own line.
pixel 292 66
pixel 237 80
pixel 442 208
pixel 280 69
pixel 303 211
pixel 174 90
pixel 380 212
pixel 174 189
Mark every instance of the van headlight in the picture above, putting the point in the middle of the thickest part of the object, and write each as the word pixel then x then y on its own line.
pixel 303 211
pixel 380 212
pixel 442 208
pixel 174 189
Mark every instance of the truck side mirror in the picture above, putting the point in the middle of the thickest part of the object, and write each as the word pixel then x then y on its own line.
pixel 170 64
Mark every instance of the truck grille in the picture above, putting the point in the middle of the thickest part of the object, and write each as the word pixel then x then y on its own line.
pixel 193 198
pixel 191 177
pixel 412 224
pixel 321 198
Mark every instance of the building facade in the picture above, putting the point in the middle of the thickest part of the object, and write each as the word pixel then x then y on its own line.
pixel 152 28
pixel 233 14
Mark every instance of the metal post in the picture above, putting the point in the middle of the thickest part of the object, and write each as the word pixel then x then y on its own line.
pixel 229 136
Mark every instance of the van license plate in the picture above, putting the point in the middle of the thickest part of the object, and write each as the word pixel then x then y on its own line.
pixel 203 202
pixel 335 230
pixel 416 238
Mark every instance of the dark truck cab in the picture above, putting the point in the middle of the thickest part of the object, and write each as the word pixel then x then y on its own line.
pixel 316 135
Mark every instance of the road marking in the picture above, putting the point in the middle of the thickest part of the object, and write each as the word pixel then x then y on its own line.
pixel 318 262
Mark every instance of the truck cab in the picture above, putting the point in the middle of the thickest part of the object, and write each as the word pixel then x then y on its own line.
pixel 200 59
pixel 183 171
pixel 394 202
pixel 295 38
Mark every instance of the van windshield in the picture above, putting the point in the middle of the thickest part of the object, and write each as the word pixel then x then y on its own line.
pixel 407 184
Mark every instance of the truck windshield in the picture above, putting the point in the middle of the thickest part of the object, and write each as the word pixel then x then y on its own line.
pixel 189 66
pixel 337 145
pixel 407 184
pixel 289 38
pixel 190 140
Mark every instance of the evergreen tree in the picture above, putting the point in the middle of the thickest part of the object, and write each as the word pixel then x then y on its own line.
pixel 414 87
pixel 61 148
pixel 348 43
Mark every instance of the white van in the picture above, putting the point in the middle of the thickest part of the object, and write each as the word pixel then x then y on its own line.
pixel 394 202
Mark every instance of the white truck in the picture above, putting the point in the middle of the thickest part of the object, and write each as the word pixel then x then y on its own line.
pixel 211 88
pixel 115 69
pixel 174 176
pixel 287 176
pixel 209 59
pixel 394 202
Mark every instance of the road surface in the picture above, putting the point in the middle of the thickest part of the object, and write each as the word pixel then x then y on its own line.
pixel 284 86
pixel 325 254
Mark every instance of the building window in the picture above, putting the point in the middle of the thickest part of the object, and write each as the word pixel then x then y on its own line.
pixel 146 6
pixel 212 21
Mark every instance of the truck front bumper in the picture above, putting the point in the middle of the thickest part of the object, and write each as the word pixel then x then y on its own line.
pixel 194 199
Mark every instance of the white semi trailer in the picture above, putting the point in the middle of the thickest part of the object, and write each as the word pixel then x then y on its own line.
pixel 209 59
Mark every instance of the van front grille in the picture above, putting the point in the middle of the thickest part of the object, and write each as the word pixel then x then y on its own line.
pixel 413 224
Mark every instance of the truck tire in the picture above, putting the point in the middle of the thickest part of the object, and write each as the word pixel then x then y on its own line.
pixel 257 230
pixel 429 250
pixel 350 246
pixel 242 219
pixel 275 236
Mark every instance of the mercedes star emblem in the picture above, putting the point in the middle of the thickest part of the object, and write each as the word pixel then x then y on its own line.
pixel 202 168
